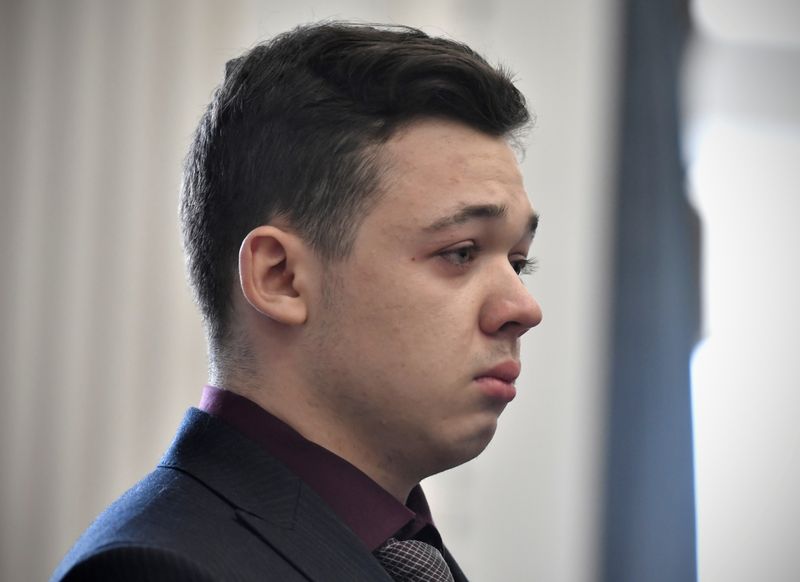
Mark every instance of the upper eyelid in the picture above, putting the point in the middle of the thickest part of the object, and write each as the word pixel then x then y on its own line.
pixel 460 245
pixel 528 264
pixel 474 244
pixel 470 246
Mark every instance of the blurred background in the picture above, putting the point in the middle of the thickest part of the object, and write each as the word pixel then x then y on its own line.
pixel 655 435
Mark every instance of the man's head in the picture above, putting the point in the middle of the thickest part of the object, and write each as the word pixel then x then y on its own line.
pixel 295 129
pixel 360 183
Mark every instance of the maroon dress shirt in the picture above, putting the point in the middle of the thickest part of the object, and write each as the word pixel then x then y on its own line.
pixel 365 507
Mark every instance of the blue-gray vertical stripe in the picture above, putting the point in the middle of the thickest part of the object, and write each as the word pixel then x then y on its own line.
pixel 649 520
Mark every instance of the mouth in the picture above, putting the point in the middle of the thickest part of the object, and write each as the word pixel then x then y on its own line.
pixel 507 372
pixel 498 382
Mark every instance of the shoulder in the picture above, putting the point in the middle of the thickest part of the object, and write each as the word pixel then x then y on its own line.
pixel 218 505
pixel 128 563
pixel 169 526
pixel 162 504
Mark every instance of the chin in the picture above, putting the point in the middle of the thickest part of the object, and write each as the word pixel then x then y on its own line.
pixel 464 449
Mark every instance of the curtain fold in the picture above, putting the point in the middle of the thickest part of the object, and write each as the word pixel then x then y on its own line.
pixel 101 348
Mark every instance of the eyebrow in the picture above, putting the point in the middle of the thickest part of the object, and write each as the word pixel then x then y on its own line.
pixel 478 211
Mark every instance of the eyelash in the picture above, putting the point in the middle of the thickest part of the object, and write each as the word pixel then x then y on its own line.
pixel 528 266
pixel 454 256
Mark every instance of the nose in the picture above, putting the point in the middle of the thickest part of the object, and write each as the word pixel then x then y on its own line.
pixel 510 309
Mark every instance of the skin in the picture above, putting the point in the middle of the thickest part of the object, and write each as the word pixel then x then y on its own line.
pixel 378 357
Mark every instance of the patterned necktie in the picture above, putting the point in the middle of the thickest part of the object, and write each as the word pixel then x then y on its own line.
pixel 413 561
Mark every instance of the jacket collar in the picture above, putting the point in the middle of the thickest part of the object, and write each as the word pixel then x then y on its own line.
pixel 269 500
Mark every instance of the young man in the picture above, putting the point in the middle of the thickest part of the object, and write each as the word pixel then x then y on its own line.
pixel 355 227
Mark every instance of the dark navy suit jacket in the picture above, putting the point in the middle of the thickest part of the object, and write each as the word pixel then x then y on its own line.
pixel 218 507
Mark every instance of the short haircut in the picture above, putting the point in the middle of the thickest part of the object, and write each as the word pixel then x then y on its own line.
pixel 294 131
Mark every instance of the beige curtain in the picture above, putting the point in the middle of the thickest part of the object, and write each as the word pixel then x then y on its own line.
pixel 102 349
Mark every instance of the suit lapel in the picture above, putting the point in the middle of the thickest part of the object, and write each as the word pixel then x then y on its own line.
pixel 271 501
pixel 455 570
pixel 338 554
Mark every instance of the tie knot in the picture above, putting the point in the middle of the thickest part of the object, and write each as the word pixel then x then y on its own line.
pixel 413 561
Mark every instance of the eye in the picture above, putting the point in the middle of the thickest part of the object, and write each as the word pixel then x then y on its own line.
pixel 525 266
pixel 461 256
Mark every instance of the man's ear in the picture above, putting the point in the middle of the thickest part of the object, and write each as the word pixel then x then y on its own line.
pixel 269 263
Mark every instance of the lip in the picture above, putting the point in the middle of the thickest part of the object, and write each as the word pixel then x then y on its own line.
pixel 498 382
pixel 508 372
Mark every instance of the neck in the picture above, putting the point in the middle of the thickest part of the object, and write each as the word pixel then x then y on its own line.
pixel 315 425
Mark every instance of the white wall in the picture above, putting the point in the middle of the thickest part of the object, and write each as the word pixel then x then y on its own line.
pixel 743 103
pixel 101 347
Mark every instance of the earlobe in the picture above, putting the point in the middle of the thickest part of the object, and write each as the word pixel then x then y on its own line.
pixel 268 259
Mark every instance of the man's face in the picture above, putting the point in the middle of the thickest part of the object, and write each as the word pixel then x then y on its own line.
pixel 417 345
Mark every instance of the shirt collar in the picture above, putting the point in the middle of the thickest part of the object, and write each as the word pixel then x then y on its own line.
pixel 365 507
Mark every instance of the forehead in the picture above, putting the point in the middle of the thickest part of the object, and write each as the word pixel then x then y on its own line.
pixel 436 167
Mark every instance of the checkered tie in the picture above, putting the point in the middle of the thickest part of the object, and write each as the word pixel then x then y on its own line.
pixel 413 561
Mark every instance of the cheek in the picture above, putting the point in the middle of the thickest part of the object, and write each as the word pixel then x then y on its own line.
pixel 405 306
pixel 418 334
pixel 410 309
